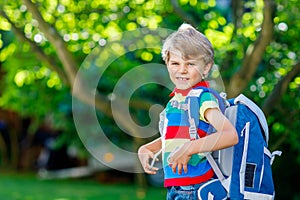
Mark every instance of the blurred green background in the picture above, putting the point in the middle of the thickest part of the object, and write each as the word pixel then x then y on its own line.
pixel 44 42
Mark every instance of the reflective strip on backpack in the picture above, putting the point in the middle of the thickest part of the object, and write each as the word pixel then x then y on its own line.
pixel 267 152
pixel 272 155
pixel 275 153
pixel 195 92
pixel 245 133
pixel 225 182
pixel 256 196
pixel 215 167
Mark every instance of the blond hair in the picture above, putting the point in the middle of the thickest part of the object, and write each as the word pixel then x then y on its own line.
pixel 190 43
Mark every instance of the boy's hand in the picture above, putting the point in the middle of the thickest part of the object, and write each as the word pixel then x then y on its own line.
pixel 180 158
pixel 145 156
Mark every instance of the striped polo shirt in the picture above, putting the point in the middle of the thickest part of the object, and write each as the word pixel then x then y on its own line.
pixel 176 133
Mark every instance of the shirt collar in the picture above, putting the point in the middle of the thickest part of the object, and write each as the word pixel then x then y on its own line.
pixel 186 91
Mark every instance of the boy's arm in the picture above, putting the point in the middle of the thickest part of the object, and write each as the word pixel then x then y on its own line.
pixel 146 152
pixel 225 136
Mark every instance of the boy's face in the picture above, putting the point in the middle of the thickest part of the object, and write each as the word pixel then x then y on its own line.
pixel 185 73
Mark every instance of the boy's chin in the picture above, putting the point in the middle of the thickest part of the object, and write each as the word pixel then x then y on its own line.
pixel 183 87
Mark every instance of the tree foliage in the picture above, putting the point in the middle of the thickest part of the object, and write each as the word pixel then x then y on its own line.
pixel 43 44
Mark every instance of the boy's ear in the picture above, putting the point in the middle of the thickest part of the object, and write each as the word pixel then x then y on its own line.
pixel 207 68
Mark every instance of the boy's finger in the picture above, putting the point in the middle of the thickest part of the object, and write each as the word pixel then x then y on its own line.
pixel 179 169
pixel 185 169
pixel 174 166
pixel 152 170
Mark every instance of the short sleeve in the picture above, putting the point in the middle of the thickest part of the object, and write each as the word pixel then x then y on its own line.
pixel 207 101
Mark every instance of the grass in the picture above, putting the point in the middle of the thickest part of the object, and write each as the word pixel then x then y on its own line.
pixel 29 187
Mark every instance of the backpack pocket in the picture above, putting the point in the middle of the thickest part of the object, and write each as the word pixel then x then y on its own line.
pixel 255 170
pixel 212 189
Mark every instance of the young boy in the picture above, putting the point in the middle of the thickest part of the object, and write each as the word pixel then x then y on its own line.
pixel 189 56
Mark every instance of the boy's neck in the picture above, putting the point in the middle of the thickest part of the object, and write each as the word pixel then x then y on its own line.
pixel 186 91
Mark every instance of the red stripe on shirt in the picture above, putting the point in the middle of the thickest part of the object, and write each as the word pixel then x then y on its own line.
pixel 181 132
pixel 177 132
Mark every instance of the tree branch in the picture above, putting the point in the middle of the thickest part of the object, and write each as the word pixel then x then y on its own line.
pixel 77 83
pixel 54 38
pixel 68 62
pixel 280 89
pixel 50 61
pixel 237 12
pixel 254 53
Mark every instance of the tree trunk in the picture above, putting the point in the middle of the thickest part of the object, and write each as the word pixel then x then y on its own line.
pixel 254 53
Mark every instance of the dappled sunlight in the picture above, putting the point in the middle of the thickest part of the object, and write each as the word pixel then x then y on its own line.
pixel 104 57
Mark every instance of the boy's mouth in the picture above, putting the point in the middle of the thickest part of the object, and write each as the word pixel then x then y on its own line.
pixel 182 78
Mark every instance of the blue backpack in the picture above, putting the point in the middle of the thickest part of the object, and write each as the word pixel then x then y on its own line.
pixel 244 170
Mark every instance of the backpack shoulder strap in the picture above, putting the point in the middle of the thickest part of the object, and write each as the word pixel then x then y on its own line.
pixel 193 115
pixel 192 101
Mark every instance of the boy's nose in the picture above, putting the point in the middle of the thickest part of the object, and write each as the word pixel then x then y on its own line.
pixel 183 69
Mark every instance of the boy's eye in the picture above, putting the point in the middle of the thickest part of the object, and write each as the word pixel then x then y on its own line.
pixel 191 64
pixel 174 63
